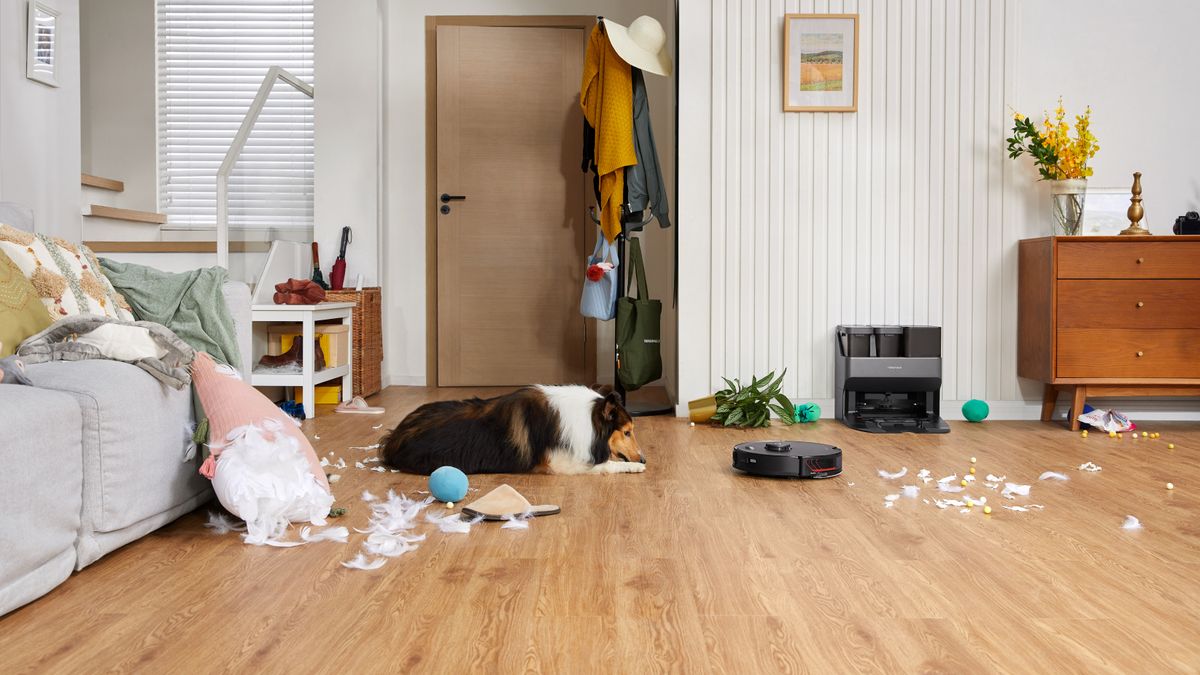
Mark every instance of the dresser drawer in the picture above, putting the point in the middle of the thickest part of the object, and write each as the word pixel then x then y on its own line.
pixel 1114 353
pixel 1128 260
pixel 1127 303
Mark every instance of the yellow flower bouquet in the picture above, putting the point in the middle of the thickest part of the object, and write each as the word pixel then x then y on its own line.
pixel 1059 157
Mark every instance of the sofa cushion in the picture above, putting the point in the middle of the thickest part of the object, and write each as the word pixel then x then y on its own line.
pixel 67 276
pixel 134 433
pixel 21 310
pixel 40 491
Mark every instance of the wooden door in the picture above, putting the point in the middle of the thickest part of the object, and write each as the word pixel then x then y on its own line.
pixel 510 257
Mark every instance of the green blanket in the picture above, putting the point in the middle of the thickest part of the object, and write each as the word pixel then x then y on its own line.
pixel 191 304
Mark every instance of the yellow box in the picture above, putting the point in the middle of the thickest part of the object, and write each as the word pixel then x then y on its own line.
pixel 325 394
pixel 334 341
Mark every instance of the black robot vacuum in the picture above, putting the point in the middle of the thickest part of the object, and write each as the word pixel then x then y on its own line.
pixel 788 459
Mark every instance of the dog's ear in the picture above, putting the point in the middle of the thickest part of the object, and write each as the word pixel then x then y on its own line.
pixel 602 389
pixel 612 402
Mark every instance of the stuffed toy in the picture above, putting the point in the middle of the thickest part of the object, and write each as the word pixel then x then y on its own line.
pixel 12 371
pixel 263 469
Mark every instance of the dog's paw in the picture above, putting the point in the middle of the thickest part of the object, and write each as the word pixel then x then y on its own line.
pixel 630 467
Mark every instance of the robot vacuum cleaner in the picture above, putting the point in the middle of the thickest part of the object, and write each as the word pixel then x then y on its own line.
pixel 788 459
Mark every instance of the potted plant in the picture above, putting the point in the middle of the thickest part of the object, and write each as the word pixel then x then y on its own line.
pixel 1060 159
pixel 751 405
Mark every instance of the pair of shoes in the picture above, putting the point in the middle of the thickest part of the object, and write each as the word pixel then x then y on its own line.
pixel 295 354
pixel 298 292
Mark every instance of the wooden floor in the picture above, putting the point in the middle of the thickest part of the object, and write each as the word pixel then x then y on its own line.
pixel 688 567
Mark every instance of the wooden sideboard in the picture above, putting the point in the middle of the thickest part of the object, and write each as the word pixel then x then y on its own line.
pixel 1109 316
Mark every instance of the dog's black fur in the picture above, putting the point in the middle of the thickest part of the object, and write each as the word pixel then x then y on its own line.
pixel 514 433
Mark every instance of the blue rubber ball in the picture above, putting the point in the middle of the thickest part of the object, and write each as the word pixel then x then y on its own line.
pixel 448 484
pixel 807 412
pixel 975 410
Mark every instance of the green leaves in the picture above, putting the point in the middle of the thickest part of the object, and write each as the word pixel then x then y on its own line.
pixel 1026 139
pixel 752 405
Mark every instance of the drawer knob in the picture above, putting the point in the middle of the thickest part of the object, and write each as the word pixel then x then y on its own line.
pixel 1140 303
pixel 1139 355
pixel 1140 260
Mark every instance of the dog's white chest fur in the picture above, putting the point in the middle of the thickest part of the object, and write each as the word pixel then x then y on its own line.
pixel 574 405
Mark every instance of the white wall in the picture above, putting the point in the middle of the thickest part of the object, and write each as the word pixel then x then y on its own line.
pixel 119 107
pixel 348 140
pixel 39 125
pixel 907 211
pixel 404 220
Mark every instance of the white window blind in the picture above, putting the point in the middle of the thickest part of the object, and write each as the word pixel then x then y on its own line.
pixel 212 57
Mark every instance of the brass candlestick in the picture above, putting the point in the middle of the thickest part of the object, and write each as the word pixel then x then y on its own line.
pixel 1136 212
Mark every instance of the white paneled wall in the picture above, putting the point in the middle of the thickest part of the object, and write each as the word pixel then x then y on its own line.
pixel 894 214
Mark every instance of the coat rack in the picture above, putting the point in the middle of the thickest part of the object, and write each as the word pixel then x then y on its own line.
pixel 634 408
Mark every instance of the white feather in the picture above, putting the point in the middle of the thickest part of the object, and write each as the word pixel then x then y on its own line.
pixel 910 491
pixel 892 476
pixel 924 474
pixel 219 523
pixel 368 497
pixel 341 464
pixel 452 523
pixel 1131 523
pixel 379 469
pixel 947 487
pixel 334 477
pixel 947 479
pixel 520 522
pixel 360 562
pixel 359 465
pixel 365 447
pixel 268 483
pixel 1089 466
pixel 573 404
pixel 1012 489
pixel 338 534
pixel 995 479
pixel 274 541
pixel 1047 475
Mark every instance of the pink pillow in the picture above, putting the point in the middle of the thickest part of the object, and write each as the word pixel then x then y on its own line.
pixel 230 403
pixel 262 467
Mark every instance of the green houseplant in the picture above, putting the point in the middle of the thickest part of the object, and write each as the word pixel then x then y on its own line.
pixel 751 405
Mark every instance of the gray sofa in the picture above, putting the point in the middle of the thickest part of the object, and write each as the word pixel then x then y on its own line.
pixel 93 459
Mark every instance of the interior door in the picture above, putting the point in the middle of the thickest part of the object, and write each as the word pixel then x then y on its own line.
pixel 510 255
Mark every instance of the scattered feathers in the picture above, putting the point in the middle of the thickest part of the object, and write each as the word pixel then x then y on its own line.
pixel 338 534
pixel 360 562
pixel 1131 523
pixel 1048 475
pixel 1089 466
pixel 892 476
pixel 220 523
pixel 1012 490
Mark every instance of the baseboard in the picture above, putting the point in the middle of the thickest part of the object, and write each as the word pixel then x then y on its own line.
pixel 396 380
pixel 1154 409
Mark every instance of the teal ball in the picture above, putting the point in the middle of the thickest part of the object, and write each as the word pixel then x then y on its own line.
pixel 975 410
pixel 448 484
pixel 807 412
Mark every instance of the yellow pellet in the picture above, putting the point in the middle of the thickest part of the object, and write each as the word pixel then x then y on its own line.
pixel 972 471
pixel 987 509
pixel 1083 433
pixel 1112 434
pixel 1170 486
pixel 1170 446
pixel 963 482
pixel 972 460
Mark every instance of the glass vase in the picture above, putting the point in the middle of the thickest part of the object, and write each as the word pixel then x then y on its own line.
pixel 1067 205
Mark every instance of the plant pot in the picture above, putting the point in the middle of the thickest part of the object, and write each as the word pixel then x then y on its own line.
pixel 702 409
pixel 1066 198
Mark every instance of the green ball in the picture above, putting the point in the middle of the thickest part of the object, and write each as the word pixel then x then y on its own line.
pixel 975 410
pixel 807 412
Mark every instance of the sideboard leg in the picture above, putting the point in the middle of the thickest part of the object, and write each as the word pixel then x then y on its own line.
pixel 1077 401
pixel 1049 398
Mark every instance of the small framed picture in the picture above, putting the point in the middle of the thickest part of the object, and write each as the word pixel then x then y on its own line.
pixel 820 62
pixel 1105 211
pixel 41 61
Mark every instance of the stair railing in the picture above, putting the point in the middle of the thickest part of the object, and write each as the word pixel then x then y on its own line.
pixel 235 150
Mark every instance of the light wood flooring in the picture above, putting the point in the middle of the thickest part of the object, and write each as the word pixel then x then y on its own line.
pixel 688 567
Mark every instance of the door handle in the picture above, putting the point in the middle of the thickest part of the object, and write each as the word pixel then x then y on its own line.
pixel 447 198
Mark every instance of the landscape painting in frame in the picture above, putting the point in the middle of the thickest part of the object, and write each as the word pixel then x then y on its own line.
pixel 820 62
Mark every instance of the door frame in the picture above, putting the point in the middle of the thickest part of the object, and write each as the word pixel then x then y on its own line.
pixel 583 22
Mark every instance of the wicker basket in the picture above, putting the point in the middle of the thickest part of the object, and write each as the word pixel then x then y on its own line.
pixel 368 337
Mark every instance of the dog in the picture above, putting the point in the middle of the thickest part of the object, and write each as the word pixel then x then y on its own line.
pixel 540 429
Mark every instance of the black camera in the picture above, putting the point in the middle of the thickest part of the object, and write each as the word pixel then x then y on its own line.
pixel 1187 224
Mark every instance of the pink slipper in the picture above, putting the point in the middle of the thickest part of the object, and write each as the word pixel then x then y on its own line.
pixel 358 405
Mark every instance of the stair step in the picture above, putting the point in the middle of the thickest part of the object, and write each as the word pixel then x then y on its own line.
pixel 176 246
pixel 102 211
pixel 101 182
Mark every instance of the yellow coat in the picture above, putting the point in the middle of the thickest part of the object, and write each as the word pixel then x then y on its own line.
pixel 606 96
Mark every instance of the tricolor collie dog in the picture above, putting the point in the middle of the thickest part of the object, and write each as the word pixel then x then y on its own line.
pixel 562 430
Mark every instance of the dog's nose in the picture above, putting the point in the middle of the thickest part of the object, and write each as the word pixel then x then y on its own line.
pixel 642 460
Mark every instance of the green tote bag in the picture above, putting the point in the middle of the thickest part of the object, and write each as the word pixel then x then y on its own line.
pixel 639 329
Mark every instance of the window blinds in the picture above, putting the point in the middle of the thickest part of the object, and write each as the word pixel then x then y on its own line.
pixel 212 57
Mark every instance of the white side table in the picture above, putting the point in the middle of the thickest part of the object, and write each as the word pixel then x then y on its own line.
pixel 308 378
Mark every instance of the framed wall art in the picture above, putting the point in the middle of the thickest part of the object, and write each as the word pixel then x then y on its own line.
pixel 820 62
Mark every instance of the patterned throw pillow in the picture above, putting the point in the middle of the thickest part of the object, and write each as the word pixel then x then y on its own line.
pixel 21 311
pixel 66 276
